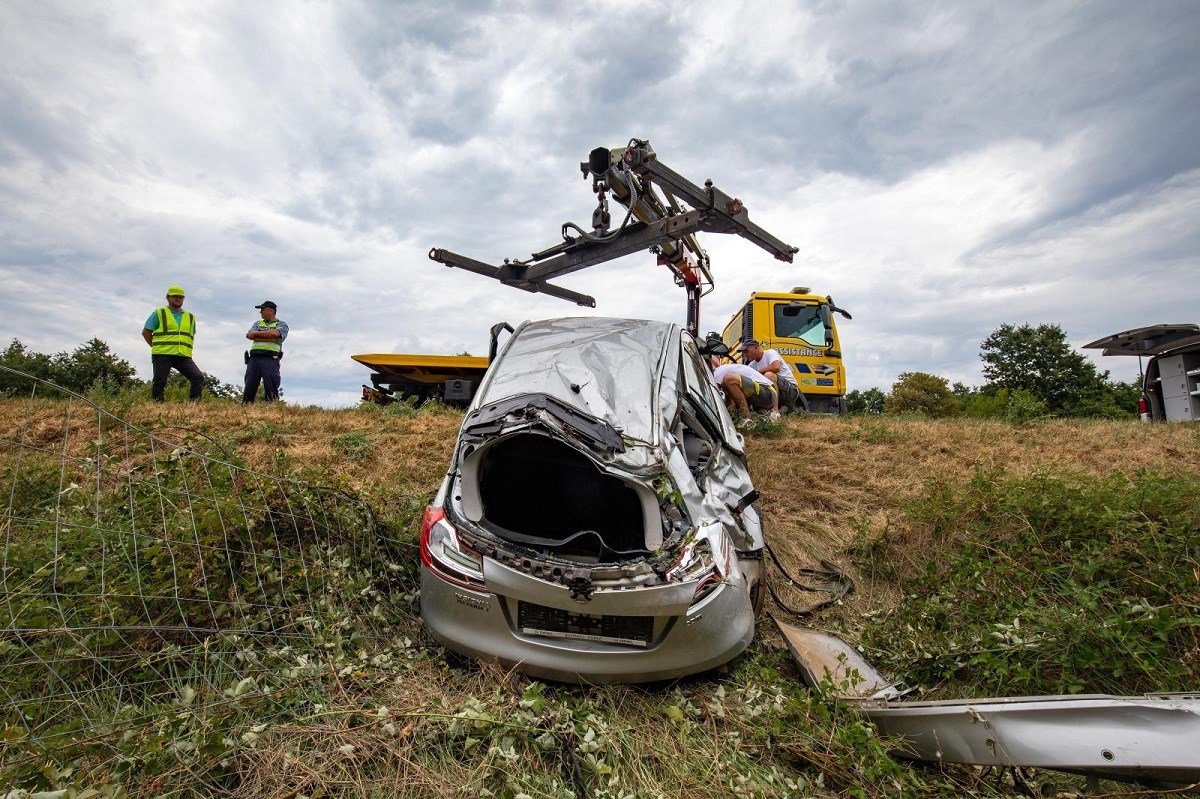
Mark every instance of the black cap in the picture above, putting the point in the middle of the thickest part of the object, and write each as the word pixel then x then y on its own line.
pixel 750 342
pixel 267 304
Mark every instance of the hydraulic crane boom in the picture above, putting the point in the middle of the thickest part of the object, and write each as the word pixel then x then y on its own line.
pixel 664 211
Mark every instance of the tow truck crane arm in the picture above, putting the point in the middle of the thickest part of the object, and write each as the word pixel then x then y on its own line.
pixel 665 223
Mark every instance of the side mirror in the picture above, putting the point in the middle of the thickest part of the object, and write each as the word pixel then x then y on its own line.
pixel 827 320
pixel 714 345
pixel 494 335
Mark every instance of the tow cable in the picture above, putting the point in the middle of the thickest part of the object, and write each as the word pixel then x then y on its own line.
pixel 828 579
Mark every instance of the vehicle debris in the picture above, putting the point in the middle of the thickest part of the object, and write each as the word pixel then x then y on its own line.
pixel 600 534
pixel 1152 739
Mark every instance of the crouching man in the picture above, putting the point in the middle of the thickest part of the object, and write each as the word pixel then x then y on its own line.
pixel 772 366
pixel 745 388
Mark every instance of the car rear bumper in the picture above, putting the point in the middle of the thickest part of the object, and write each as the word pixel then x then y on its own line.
pixel 486 625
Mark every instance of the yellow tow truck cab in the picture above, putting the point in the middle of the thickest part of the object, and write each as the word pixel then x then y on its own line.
pixel 800 327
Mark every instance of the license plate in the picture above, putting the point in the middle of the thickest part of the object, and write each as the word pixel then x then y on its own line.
pixel 554 623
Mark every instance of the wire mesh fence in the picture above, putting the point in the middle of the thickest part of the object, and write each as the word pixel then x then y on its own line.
pixel 160 601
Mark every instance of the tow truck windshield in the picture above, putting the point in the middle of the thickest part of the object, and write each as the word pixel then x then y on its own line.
pixel 800 322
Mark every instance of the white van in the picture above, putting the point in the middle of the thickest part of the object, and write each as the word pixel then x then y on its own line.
pixel 1171 378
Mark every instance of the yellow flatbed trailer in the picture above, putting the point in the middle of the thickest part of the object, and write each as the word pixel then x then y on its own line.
pixel 396 376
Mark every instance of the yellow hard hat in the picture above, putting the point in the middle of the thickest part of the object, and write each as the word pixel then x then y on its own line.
pixel 176 290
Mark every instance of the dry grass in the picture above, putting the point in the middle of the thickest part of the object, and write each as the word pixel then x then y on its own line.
pixel 825 481
pixel 407 451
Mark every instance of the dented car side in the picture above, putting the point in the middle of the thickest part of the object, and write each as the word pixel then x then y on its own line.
pixel 597 523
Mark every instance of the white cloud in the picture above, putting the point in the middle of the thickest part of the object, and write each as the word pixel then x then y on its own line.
pixel 942 169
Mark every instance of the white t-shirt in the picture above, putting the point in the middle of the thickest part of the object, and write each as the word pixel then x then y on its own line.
pixel 739 369
pixel 771 356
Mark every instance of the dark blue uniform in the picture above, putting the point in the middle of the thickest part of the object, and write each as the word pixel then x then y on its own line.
pixel 262 362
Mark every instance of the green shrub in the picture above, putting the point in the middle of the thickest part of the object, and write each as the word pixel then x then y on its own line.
pixel 355 445
pixel 1024 408
pixel 923 393
pixel 1051 584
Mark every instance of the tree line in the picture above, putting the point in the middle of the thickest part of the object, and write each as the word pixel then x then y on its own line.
pixel 91 368
pixel 1031 372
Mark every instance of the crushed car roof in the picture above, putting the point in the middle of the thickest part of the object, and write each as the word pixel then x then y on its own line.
pixel 609 369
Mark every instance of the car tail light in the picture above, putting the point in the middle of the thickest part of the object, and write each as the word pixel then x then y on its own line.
pixel 697 564
pixel 443 555
pixel 1144 409
pixel 708 583
pixel 433 515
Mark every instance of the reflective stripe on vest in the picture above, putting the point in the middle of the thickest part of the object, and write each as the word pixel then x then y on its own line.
pixel 274 345
pixel 171 337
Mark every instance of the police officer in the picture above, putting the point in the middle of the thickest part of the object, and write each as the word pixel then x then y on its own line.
pixel 170 332
pixel 262 359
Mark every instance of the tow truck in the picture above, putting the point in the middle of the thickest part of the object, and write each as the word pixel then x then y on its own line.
pixel 799 326
pixel 663 212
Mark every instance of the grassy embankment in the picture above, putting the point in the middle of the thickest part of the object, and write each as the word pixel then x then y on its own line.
pixel 989 559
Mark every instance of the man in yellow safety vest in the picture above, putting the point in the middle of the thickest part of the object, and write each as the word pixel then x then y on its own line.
pixel 170 332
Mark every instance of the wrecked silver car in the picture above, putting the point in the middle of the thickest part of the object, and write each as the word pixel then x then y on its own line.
pixel 598 523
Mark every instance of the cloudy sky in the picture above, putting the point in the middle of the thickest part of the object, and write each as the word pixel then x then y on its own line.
pixel 943 168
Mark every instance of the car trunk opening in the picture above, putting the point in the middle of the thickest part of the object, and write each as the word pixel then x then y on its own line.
pixel 537 491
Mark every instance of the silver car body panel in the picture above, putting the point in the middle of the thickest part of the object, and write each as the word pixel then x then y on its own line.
pixel 614 363
pixel 1153 739
pixel 624 377
pixel 671 599
pixel 628 397
pixel 484 626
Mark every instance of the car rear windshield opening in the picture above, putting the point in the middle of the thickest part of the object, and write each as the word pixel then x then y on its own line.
pixel 539 488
